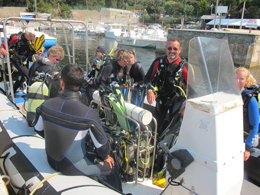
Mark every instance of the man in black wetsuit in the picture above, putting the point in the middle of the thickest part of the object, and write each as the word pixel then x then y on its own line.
pixel 20 53
pixel 66 122
pixel 169 75
pixel 46 65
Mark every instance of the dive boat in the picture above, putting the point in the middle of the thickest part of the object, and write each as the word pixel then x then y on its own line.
pixel 114 31
pixel 205 157
pixel 143 39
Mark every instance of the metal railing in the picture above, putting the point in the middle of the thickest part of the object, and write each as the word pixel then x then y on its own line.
pixel 40 20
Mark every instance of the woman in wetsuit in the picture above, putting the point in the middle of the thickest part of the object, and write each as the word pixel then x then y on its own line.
pixel 247 85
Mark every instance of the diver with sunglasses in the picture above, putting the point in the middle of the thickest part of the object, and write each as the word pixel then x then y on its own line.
pixel 46 65
pixel 167 77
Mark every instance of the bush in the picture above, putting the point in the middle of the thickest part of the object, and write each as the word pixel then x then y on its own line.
pixel 163 21
pixel 175 20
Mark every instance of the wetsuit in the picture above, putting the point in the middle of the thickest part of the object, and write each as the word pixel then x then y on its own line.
pixel 136 76
pixel 111 71
pixel 168 95
pixel 21 52
pixel 42 64
pixel 66 122
pixel 251 118
pixel 137 73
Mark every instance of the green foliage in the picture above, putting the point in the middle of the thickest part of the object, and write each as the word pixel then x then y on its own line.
pixel 65 11
pixel 174 8
pixel 168 26
pixel 189 9
pixel 109 3
pixel 163 21
pixel 175 20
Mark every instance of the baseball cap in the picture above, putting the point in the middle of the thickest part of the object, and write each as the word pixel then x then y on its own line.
pixel 101 49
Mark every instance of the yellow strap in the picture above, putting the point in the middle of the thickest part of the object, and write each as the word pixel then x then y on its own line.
pixel 248 134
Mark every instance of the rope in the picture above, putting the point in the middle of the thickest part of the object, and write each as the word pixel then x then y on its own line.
pixel 8 109
pixel 6 182
pixel 45 179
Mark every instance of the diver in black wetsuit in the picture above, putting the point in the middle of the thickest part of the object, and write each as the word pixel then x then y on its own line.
pixel 46 65
pixel 20 53
pixel 112 70
pixel 66 122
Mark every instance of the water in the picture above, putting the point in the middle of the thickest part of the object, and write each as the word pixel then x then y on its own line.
pixel 144 56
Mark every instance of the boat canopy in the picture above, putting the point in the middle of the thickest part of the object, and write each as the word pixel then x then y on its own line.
pixel 232 22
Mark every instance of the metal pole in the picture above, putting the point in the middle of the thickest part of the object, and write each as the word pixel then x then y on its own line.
pixel 219 24
pixel 242 14
pixel 216 9
pixel 35 4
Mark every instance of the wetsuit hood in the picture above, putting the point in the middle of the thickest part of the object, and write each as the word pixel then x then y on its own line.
pixel 71 95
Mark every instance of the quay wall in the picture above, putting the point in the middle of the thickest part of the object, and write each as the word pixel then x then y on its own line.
pixel 90 16
pixel 244 47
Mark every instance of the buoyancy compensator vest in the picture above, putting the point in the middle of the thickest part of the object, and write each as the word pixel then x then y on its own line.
pixel 169 82
pixel 37 94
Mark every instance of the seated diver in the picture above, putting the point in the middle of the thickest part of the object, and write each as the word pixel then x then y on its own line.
pixel 46 64
pixel 66 122
pixel 42 81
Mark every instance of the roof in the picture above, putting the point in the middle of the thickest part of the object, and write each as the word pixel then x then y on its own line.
pixel 232 22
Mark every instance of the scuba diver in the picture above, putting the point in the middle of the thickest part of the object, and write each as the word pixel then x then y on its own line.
pixel 168 77
pixel 112 70
pixel 247 86
pixel 135 91
pixel 21 47
pixel 66 123
pixel 43 81
pixel 46 65
pixel 135 70
pixel 100 52
pixel 96 68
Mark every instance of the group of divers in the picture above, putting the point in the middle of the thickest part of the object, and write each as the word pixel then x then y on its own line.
pixel 61 112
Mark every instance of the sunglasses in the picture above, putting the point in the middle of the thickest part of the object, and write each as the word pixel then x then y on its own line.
pixel 126 61
pixel 172 48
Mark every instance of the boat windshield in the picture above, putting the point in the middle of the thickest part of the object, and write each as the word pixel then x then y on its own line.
pixel 211 69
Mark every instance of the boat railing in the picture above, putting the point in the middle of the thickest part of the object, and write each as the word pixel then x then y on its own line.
pixel 41 20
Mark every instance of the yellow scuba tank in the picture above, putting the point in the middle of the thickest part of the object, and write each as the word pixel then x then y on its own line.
pixel 38 93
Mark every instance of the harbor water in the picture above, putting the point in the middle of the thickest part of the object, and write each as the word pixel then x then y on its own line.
pixel 144 55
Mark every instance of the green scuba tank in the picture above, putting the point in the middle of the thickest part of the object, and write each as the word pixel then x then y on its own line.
pixel 38 93
pixel 116 100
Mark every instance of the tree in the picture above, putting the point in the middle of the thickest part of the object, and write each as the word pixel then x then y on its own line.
pixel 65 11
pixel 173 8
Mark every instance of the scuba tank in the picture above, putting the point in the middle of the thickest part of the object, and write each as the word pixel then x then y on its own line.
pixel 37 94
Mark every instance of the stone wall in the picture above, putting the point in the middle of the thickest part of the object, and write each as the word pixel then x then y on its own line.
pixel 245 48
pixel 11 11
pixel 92 16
